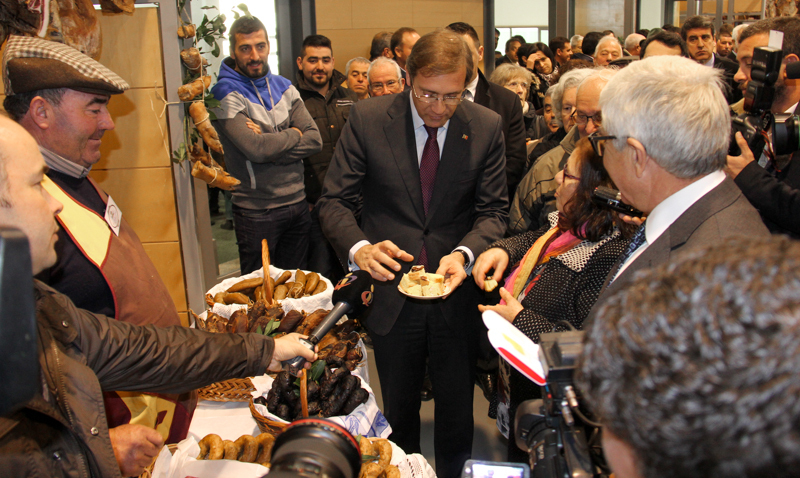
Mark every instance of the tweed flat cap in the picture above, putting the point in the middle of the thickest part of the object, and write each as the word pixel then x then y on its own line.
pixel 31 64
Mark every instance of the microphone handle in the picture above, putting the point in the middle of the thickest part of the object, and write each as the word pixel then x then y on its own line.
pixel 295 365
pixel 329 321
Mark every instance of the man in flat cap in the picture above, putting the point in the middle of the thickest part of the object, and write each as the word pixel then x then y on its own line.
pixel 60 96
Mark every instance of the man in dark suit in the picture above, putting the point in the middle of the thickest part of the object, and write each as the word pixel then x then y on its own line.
pixel 403 41
pixel 507 104
pixel 771 186
pixel 500 100
pixel 673 171
pixel 698 33
pixel 512 45
pixel 421 207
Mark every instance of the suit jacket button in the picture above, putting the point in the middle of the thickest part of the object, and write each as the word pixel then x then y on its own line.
pixel 95 431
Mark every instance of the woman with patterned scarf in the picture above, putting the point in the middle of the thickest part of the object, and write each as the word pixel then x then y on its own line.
pixel 556 272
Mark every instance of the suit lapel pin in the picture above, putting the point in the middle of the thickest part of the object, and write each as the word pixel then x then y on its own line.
pixel 464 137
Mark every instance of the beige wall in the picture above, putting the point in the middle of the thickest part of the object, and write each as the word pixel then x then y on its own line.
pixel 135 168
pixel 351 24
pixel 599 15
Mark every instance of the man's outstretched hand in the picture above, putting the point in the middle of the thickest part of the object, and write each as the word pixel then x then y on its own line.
pixel 379 259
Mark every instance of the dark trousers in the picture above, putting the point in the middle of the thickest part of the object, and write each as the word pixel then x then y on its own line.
pixel 420 332
pixel 321 256
pixel 286 230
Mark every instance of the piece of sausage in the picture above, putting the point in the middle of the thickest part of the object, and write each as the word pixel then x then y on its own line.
pixel 246 284
pixel 296 291
pixel 312 281
pixel 283 278
pixel 311 321
pixel 281 292
pixel 238 323
pixel 336 402
pixel 354 400
pixel 290 321
pixel 320 287
pixel 300 276
pixel 328 383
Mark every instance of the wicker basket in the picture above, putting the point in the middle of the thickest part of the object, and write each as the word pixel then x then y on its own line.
pixel 265 424
pixel 234 390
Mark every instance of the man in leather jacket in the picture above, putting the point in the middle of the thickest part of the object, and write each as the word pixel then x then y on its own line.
pixel 63 430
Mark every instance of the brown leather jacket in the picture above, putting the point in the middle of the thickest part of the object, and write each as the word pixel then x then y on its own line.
pixel 63 430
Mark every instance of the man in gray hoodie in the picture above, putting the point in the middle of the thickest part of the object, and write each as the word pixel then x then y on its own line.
pixel 266 132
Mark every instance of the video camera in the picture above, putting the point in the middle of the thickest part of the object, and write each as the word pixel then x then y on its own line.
pixel 559 438
pixel 758 118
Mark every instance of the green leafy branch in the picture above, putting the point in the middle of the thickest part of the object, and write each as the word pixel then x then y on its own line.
pixel 212 32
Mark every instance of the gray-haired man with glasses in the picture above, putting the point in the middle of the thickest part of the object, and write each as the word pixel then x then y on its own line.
pixel 535 198
pixel 384 77
pixel 667 160
pixel 431 171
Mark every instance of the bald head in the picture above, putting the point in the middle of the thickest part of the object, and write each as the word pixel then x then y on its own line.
pixel 24 204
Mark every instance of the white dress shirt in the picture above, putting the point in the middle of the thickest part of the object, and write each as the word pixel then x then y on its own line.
pixel 471 89
pixel 670 209
pixel 421 137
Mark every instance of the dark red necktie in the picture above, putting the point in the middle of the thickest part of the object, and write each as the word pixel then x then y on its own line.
pixel 427 176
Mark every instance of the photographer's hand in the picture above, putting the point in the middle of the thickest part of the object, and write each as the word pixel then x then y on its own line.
pixel 737 163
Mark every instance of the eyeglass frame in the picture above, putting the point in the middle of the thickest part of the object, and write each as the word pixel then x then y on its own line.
pixel 595 139
pixel 384 86
pixel 431 99
pixel 575 117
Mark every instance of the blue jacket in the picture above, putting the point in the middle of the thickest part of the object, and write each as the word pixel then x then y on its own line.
pixel 269 164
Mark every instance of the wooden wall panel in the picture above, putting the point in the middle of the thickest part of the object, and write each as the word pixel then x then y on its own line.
pixel 351 24
pixel 380 14
pixel 336 15
pixel 137 140
pixel 146 198
pixel 131 46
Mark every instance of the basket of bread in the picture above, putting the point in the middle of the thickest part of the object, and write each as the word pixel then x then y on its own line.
pixel 286 302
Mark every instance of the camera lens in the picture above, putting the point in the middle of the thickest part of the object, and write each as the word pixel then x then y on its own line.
pixel 315 447
pixel 786 134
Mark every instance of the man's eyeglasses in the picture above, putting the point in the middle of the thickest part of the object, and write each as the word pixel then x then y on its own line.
pixel 599 143
pixel 380 86
pixel 448 100
pixel 583 119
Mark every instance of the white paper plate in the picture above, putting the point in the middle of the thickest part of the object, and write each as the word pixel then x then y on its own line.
pixel 425 297
pixel 516 348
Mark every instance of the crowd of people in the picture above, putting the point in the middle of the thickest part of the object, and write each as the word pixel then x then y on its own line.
pixel 415 157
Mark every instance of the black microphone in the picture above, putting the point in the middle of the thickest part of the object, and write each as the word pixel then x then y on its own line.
pixel 351 295
pixel 793 70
